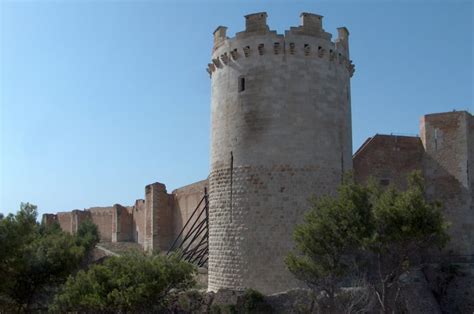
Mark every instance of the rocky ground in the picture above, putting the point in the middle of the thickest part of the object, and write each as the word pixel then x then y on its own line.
pixel 431 289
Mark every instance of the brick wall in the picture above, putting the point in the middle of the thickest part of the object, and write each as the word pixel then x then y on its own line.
pixel 388 159
pixel 138 232
pixel 103 218
pixel 158 218
pixel 184 202
pixel 49 219
pixel 448 144
pixel 65 221
pixel 122 224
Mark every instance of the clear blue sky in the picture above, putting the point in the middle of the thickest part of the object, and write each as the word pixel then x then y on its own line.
pixel 100 98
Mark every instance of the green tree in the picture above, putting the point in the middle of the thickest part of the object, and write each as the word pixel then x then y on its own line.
pixel 384 228
pixel 35 258
pixel 16 232
pixel 132 282
pixel 327 241
pixel 87 234
pixel 405 226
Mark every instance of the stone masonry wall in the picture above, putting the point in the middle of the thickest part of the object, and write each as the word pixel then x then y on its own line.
pixel 158 218
pixel 447 141
pixel 281 131
pixel 103 218
pixel 122 225
pixel 251 241
pixel 184 202
pixel 49 219
pixel 77 217
pixel 65 221
pixel 388 159
pixel 138 227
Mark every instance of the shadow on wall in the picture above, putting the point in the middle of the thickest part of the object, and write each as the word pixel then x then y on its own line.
pixel 185 201
pixel 457 204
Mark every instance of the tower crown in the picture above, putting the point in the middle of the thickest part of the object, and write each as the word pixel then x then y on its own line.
pixel 309 40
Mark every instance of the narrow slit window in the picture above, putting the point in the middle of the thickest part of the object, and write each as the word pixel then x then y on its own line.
pixel 241 84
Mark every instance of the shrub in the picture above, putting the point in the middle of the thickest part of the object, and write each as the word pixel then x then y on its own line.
pixel 254 302
pixel 132 282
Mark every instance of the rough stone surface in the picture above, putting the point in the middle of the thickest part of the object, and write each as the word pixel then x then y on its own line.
pixel 448 142
pixel 416 295
pixel 122 223
pixel 103 218
pixel 184 202
pixel 293 301
pixel 452 285
pixel 274 142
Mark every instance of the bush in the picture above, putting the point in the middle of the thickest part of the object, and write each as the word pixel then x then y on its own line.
pixel 254 302
pixel 132 282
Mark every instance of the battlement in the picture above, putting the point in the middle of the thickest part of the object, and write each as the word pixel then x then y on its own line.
pixel 309 40
pixel 256 22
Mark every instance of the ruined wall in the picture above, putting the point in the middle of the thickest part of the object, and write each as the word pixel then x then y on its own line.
pixel 281 131
pixel 138 226
pixel 77 217
pixel 49 219
pixel 185 201
pixel 70 221
pixel 388 159
pixel 103 218
pixel 65 221
pixel 158 218
pixel 447 141
pixel 122 224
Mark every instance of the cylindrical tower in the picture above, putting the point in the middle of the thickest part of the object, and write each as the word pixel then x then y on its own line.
pixel 280 133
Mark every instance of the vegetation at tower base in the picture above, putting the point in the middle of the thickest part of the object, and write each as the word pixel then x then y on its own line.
pixel 366 230
pixel 133 282
pixel 35 258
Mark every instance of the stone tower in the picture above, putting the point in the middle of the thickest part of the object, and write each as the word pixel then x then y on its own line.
pixel 281 132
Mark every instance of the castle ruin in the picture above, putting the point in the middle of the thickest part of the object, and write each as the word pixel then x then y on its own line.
pixel 281 132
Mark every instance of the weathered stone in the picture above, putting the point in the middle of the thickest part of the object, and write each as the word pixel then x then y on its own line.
pixel 416 295
pixel 281 131
pixel 293 301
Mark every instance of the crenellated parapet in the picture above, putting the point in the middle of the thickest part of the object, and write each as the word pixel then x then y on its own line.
pixel 309 40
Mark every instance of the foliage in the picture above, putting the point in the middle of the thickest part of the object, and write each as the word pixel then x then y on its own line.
pixel 87 234
pixel 16 232
pixel 405 224
pixel 190 301
pixel 132 282
pixel 366 225
pixel 223 309
pixel 254 302
pixel 33 258
pixel 327 239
